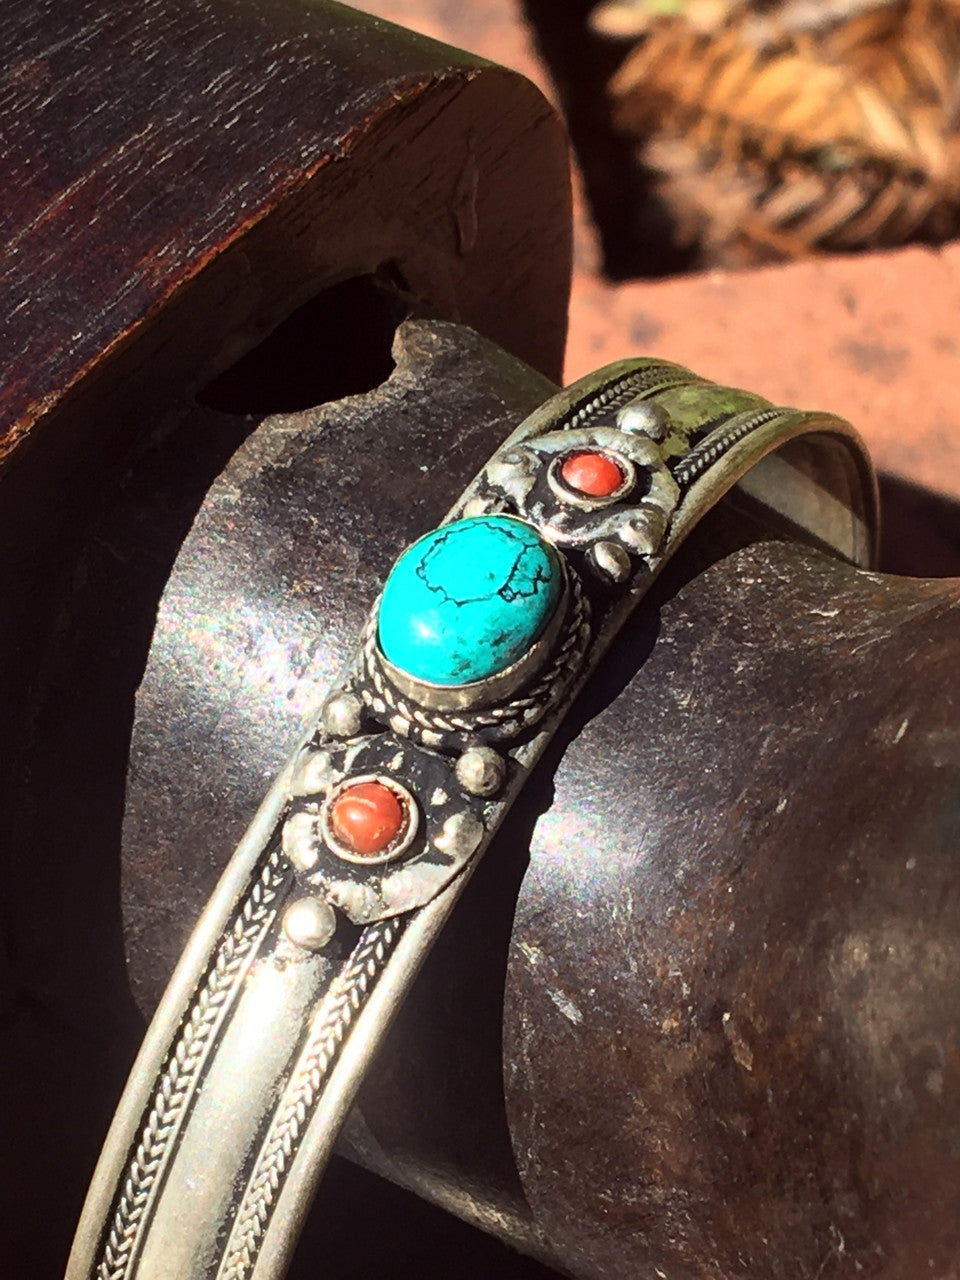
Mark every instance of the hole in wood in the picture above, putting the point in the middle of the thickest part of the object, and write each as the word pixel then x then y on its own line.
pixel 337 344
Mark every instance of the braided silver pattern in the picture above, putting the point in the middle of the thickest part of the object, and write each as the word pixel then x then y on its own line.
pixel 693 464
pixel 336 1016
pixel 644 383
pixel 180 1071
pixel 500 722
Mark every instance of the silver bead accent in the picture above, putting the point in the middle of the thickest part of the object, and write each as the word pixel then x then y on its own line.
pixel 481 771
pixel 461 835
pixel 611 560
pixel 300 841
pixel 312 775
pixel 644 533
pixel 478 506
pixel 341 716
pixel 310 923
pixel 644 418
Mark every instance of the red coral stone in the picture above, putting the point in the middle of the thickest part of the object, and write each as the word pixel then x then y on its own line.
pixel 593 474
pixel 367 817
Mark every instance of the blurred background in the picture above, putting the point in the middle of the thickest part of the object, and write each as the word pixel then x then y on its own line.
pixel 769 192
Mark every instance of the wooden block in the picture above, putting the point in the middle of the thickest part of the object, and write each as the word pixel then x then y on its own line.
pixel 180 175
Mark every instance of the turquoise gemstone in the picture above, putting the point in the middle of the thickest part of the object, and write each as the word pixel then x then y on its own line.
pixel 468 600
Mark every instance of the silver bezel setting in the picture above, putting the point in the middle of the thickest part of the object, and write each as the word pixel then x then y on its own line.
pixel 504 720
pixel 397 848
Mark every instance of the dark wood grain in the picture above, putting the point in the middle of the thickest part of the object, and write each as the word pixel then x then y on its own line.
pixel 178 178
pixel 141 142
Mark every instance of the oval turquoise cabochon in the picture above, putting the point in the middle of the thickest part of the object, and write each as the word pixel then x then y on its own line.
pixel 468 599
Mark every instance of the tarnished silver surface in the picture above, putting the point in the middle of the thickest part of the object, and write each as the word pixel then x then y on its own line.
pixel 255 1054
pixel 341 716
pixel 516 477
pixel 481 771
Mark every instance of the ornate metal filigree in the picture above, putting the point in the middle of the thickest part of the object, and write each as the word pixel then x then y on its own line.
pixel 182 1068
pixel 448 832
pixel 524 479
pixel 332 1022
pixel 452 768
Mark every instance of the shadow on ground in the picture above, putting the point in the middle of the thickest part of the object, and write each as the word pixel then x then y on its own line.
pixel 919 530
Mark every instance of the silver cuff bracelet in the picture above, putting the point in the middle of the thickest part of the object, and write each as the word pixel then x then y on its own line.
pixel 486 629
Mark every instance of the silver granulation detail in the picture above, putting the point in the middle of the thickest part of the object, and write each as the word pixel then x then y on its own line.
pixel 310 923
pixel 611 560
pixel 342 715
pixel 481 771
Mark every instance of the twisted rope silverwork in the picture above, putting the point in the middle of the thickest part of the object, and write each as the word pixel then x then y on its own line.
pixel 499 723
pixel 336 1015
pixel 700 459
pixel 638 383
pixel 202 1021
pixel 255 1122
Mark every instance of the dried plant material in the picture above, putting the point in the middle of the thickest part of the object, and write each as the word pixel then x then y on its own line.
pixel 763 24
pixel 627 19
pixel 842 138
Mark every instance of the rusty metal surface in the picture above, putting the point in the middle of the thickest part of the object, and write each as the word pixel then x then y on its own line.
pixel 269 593
pixel 731 1040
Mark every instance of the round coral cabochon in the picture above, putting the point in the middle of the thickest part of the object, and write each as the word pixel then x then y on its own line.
pixel 367 817
pixel 592 474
